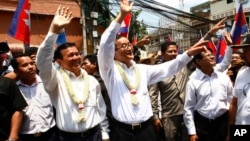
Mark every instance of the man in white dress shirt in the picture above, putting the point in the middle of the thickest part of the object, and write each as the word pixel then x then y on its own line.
pixel 208 95
pixel 172 90
pixel 76 96
pixel 38 121
pixel 239 112
pixel 127 82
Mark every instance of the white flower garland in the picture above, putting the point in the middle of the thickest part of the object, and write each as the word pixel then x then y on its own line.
pixel 131 87
pixel 79 102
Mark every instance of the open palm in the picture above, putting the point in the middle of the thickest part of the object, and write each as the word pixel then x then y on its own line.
pixel 126 6
pixel 62 17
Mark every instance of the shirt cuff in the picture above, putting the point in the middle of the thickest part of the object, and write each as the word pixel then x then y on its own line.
pixel 186 58
pixel 191 131
pixel 105 135
pixel 155 116
pixel 115 27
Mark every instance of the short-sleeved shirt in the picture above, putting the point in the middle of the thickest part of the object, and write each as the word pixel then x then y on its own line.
pixel 11 100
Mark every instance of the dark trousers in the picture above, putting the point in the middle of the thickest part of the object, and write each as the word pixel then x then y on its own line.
pixel 140 132
pixel 50 135
pixel 111 126
pixel 93 134
pixel 211 130
pixel 174 128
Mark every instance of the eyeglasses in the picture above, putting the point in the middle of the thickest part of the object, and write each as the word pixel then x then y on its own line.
pixel 125 45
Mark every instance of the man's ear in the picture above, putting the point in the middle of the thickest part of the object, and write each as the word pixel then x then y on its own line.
pixel 197 63
pixel 59 61
pixel 95 65
pixel 115 55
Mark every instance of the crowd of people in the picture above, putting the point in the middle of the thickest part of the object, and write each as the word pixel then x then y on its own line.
pixel 54 94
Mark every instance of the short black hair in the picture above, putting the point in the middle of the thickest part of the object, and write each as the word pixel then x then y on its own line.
pixel 199 56
pixel 166 44
pixel 118 37
pixel 92 59
pixel 4 48
pixel 238 52
pixel 31 50
pixel 13 61
pixel 57 53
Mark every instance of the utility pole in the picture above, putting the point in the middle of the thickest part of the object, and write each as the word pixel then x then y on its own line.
pixel 84 31
pixel 181 4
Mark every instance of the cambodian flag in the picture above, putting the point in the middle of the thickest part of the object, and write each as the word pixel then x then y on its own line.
pixel 239 26
pixel 211 46
pixel 221 48
pixel 134 41
pixel 124 30
pixel 20 26
pixel 61 39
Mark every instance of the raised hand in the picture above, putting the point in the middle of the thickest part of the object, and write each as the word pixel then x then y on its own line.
pixel 126 6
pixel 62 18
pixel 228 38
pixel 197 48
pixel 219 25
pixel 144 41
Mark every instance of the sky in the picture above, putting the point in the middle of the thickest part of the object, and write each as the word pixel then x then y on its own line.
pixel 187 3
pixel 153 19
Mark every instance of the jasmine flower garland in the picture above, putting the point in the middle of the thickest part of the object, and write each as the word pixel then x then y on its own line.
pixel 77 100
pixel 131 87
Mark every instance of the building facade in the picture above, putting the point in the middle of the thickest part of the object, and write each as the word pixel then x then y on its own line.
pixel 213 10
pixel 41 15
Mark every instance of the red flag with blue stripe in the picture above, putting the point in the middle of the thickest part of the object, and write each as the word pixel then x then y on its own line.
pixel 211 46
pixel 134 41
pixel 20 25
pixel 124 29
pixel 221 48
pixel 239 26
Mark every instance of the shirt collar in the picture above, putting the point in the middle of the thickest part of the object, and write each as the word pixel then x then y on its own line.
pixel 200 75
pixel 38 80
pixel 71 74
pixel 124 66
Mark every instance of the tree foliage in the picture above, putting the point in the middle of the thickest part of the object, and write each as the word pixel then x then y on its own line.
pixel 137 28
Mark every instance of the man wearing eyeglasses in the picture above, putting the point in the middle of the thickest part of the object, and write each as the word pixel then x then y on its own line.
pixel 11 103
pixel 127 81
pixel 239 111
